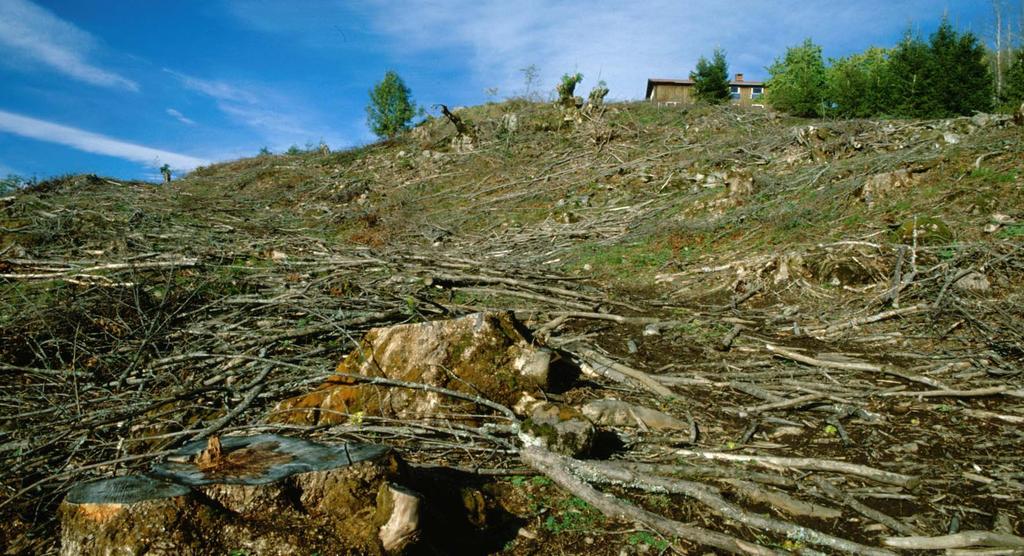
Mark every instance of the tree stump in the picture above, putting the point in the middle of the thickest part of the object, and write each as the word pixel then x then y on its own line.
pixel 264 494
pixel 130 515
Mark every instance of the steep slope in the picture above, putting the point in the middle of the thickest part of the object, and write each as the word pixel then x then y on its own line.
pixel 821 289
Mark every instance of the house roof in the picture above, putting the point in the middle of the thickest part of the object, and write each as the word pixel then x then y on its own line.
pixel 688 82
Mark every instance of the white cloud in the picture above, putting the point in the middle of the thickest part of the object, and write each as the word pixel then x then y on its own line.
pixel 624 43
pixel 281 120
pixel 219 90
pixel 94 142
pixel 36 34
pixel 180 117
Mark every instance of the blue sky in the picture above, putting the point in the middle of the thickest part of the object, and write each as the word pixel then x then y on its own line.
pixel 120 87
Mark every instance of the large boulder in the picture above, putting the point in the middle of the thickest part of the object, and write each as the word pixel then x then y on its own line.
pixel 483 355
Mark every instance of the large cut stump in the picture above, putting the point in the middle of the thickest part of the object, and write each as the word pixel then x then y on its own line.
pixel 264 494
pixel 132 515
pixel 483 354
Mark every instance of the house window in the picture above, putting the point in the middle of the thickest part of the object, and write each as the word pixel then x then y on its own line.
pixel 757 92
pixel 735 92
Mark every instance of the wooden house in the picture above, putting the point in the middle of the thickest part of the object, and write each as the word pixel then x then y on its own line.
pixel 671 92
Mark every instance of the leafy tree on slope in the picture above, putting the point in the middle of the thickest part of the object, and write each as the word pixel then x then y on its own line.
pixel 796 83
pixel 391 107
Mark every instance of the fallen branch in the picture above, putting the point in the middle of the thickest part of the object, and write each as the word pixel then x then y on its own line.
pixel 811 464
pixel 962 539
pixel 976 393
pixel 905 311
pixel 616 371
pixel 862 509
pixel 593 471
pixel 841 365
pixel 555 468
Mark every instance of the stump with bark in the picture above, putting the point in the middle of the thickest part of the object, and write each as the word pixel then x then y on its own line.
pixel 264 494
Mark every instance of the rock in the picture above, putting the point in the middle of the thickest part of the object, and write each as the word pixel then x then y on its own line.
pixel 950 138
pixel 741 183
pixel 974 282
pixel 264 494
pixel 483 354
pixel 616 413
pixel 880 185
pixel 652 329
pixel 510 123
pixel 983 120
pixel 787 267
pixel 559 428
pixel 463 144
pixel 924 230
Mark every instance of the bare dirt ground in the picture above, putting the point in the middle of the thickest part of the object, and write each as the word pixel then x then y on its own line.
pixel 834 307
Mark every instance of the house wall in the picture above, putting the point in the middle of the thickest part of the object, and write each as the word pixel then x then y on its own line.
pixel 747 95
pixel 683 94
pixel 668 92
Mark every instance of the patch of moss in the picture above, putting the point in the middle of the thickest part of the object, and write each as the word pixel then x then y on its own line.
pixel 928 231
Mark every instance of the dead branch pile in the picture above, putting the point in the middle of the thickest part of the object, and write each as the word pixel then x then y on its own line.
pixel 859 393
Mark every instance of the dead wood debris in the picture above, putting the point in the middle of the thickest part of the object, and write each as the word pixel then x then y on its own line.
pixel 128 332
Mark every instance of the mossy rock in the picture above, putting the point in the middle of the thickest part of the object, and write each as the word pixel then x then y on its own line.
pixel 483 354
pixel 560 428
pixel 929 231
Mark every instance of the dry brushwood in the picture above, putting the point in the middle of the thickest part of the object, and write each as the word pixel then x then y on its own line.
pixel 889 390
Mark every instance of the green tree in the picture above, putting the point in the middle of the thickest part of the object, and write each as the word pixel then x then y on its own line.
pixel 946 76
pixel 1013 84
pixel 962 82
pixel 856 84
pixel 391 107
pixel 711 80
pixel 906 90
pixel 796 83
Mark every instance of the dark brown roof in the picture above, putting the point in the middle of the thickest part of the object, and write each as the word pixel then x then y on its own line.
pixel 656 81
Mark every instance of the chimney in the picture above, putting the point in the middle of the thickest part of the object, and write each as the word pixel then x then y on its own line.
pixel 739 78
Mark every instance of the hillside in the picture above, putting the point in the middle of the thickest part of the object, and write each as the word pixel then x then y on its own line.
pixel 836 290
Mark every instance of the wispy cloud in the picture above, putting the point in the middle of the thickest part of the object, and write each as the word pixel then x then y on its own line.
pixel 180 117
pixel 94 142
pixel 279 118
pixel 36 34
pixel 220 90
pixel 624 43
